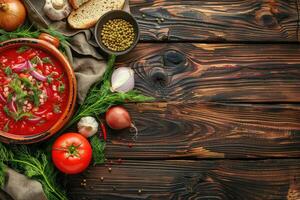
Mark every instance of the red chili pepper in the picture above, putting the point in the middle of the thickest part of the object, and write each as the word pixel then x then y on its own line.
pixel 103 129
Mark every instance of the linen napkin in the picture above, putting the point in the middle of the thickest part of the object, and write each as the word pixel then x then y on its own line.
pixel 89 66
pixel 19 187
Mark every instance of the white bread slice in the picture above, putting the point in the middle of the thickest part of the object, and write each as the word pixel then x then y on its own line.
pixel 88 14
pixel 77 3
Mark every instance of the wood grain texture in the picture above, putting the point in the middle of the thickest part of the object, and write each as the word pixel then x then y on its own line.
pixel 217 72
pixel 214 20
pixel 182 179
pixel 172 130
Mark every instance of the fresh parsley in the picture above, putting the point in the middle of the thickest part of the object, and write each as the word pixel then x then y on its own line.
pixel 98 150
pixel 9 97
pixel 34 60
pixel 26 82
pixel 17 116
pixel 16 86
pixel 36 96
pixel 6 110
pixel 20 115
pixel 6 127
pixel 61 88
pixel 47 60
pixel 49 79
pixel 22 49
pixel 56 109
pixel 8 71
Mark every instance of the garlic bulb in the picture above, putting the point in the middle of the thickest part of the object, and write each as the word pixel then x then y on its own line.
pixel 87 126
pixel 57 9
pixel 122 80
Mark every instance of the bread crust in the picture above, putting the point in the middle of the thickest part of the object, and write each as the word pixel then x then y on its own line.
pixel 73 4
pixel 92 22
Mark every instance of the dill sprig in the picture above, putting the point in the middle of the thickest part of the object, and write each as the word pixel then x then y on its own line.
pixel 2 173
pixel 34 165
pixel 23 31
pixel 98 150
pixel 27 31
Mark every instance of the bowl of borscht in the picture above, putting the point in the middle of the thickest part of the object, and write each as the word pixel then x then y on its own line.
pixel 37 89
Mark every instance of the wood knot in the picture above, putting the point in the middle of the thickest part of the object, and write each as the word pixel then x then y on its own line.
pixel 173 58
pixel 266 17
pixel 159 77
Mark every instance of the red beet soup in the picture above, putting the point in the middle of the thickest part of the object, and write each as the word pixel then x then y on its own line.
pixel 33 90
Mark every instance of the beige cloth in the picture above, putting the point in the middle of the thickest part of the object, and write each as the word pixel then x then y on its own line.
pixel 19 187
pixel 89 66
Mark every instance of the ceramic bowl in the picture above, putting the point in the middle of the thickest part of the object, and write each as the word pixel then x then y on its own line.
pixel 67 113
pixel 116 14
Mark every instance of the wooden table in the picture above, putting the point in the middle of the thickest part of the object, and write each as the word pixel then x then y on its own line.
pixel 226 120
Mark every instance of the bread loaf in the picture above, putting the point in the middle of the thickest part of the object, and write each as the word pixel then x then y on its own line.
pixel 89 13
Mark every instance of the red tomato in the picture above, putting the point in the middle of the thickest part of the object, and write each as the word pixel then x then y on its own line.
pixel 71 153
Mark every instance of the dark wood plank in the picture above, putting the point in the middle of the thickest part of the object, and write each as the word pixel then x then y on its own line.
pixel 217 72
pixel 169 130
pixel 214 20
pixel 182 179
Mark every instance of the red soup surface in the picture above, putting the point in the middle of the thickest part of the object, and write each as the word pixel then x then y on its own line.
pixel 33 90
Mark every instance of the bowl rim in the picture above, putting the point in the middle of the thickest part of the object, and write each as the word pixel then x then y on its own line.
pixel 67 113
pixel 97 27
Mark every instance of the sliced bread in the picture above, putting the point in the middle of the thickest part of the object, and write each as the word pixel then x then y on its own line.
pixel 77 3
pixel 88 14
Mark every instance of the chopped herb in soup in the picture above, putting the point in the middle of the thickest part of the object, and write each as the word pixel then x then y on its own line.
pixel 33 90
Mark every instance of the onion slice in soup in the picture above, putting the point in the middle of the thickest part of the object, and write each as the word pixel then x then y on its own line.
pixel 38 76
pixel 20 67
pixel 11 105
pixel 2 98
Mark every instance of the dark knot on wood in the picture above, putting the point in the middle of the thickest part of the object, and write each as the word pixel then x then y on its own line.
pixel 268 20
pixel 266 17
pixel 173 58
pixel 159 77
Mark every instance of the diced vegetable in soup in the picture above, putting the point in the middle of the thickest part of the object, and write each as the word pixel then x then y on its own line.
pixel 33 90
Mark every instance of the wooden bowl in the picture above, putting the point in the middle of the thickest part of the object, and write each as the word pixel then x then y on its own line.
pixel 116 14
pixel 67 113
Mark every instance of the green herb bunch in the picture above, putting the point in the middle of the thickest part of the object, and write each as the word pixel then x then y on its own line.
pixel 21 32
pixel 29 32
pixel 36 165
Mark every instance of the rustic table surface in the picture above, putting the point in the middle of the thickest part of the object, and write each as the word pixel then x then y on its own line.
pixel 226 120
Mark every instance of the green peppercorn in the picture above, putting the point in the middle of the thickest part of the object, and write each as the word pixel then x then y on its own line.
pixel 117 35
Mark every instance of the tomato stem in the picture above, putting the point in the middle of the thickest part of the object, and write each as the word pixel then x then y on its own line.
pixel 73 149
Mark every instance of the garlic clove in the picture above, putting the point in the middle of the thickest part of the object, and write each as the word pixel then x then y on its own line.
pixel 87 126
pixel 58 4
pixel 122 80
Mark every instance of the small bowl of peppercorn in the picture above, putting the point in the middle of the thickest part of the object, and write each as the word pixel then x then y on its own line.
pixel 117 32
